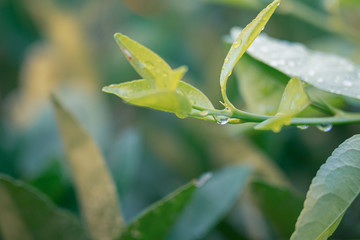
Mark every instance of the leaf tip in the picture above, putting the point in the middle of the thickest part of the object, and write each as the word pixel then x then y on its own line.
pixel 118 36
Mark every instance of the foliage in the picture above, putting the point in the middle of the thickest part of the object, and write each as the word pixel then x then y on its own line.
pixel 131 173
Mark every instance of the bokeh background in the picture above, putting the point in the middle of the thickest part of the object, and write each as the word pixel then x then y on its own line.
pixel 66 47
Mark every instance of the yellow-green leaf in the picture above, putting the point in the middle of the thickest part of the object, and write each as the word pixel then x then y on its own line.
pixel 140 93
pixel 243 42
pixel 293 101
pixel 178 74
pixel 147 63
pixel 195 95
pixel 95 189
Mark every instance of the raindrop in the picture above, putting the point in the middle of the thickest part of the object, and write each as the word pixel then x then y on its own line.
pixel 291 64
pixel 142 65
pixel 347 83
pixel 222 120
pixel 112 85
pixel 325 127
pixel 311 73
pixel 303 127
pixel 203 179
pixel 320 80
pixel 149 65
pixel 204 113
pixel 226 60
pixel 264 49
pixel 128 54
pixel 237 43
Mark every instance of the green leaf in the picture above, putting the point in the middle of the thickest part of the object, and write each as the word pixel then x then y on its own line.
pixel 95 188
pixel 293 101
pixel 325 71
pixel 334 188
pixel 280 205
pixel 139 92
pixel 26 213
pixel 210 203
pixel 243 42
pixel 156 220
pixel 259 86
pixel 148 64
pixel 197 98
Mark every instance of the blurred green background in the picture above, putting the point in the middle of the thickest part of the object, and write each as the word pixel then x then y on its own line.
pixel 67 47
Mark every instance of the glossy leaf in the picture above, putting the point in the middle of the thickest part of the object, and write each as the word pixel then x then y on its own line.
pixel 210 203
pixel 334 188
pixel 293 101
pixel 139 93
pixel 147 63
pixel 325 71
pixel 243 42
pixel 280 205
pixel 195 96
pixel 26 213
pixel 259 86
pixel 156 220
pixel 95 189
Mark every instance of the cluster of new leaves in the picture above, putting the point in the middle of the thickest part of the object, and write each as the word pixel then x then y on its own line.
pixel 162 88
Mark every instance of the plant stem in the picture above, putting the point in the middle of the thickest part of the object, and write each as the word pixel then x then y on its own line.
pixel 345 118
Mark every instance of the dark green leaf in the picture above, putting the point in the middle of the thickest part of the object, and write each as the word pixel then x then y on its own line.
pixel 28 214
pixel 280 205
pixel 210 203
pixel 334 188
pixel 156 220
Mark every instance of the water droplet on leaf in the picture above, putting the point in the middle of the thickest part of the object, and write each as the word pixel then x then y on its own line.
pixel 128 54
pixel 149 65
pixel 347 83
pixel 303 127
pixel 203 179
pixel 325 127
pixel 237 43
pixel 222 120
pixel 204 113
